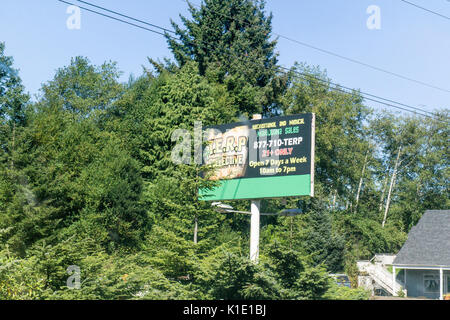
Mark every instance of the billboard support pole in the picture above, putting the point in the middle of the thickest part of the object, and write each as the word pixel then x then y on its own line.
pixel 254 221
pixel 254 230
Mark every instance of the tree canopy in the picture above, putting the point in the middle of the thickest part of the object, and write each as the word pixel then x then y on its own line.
pixel 87 180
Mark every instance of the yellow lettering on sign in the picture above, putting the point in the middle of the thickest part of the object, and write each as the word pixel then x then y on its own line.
pixel 296 121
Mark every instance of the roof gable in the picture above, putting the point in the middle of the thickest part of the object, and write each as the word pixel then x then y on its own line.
pixel 428 242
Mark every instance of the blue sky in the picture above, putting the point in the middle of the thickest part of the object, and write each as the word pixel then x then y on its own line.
pixel 411 42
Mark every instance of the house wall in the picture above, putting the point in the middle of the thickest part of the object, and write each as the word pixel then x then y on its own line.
pixel 415 283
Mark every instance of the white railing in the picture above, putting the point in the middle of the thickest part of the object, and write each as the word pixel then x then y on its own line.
pixel 381 276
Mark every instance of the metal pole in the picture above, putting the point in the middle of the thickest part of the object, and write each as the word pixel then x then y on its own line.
pixel 254 230
pixel 254 220
pixel 441 284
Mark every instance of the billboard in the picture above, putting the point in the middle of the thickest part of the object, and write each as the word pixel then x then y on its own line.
pixel 267 158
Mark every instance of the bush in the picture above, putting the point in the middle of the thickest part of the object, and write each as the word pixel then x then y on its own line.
pixel 336 292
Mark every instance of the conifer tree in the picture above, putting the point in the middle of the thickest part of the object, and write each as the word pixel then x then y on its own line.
pixel 231 42
pixel 13 102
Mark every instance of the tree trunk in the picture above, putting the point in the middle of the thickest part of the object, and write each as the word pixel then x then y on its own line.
pixel 384 191
pixel 361 180
pixel 391 187
pixel 13 145
pixel 334 199
pixel 195 229
pixel 291 233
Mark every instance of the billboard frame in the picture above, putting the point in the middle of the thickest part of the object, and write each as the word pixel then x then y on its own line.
pixel 228 188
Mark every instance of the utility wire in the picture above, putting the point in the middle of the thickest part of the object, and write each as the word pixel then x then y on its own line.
pixel 342 57
pixel 304 44
pixel 337 87
pixel 363 64
pixel 286 38
pixel 425 9
pixel 111 17
pixel 361 92
pixel 128 17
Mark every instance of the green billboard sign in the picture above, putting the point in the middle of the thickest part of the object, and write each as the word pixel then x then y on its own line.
pixel 268 158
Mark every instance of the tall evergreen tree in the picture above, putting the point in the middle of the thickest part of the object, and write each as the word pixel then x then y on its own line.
pixel 231 42
pixel 147 116
pixel 74 174
pixel 13 101
pixel 12 95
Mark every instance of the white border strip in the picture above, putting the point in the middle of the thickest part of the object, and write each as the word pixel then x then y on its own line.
pixel 313 148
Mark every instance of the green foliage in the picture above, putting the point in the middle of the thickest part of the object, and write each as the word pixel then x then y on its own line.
pixel 18 278
pixel 70 170
pixel 237 278
pixel 151 110
pixel 87 176
pixel 285 264
pixel 312 283
pixel 323 243
pixel 83 89
pixel 170 253
pixel 340 138
pixel 230 41
pixel 12 96
pixel 401 293
pixel 366 237
pixel 336 292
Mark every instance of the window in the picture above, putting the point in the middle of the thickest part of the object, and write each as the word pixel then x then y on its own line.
pixel 448 283
pixel 431 283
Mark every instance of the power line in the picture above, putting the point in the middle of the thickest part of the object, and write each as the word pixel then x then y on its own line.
pixel 128 17
pixel 337 87
pixel 363 64
pixel 370 99
pixel 343 57
pixel 361 92
pixel 111 17
pixel 304 44
pixel 289 39
pixel 425 9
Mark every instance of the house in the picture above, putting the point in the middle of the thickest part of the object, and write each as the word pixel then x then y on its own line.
pixel 425 258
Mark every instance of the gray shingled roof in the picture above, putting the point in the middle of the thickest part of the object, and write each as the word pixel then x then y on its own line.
pixel 428 242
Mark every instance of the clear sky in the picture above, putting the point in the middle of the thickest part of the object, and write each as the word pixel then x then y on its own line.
pixel 411 42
